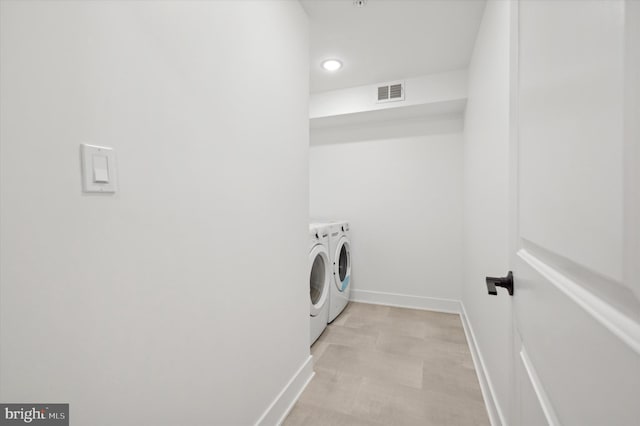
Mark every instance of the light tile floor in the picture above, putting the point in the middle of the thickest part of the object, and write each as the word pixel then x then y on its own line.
pixel 380 365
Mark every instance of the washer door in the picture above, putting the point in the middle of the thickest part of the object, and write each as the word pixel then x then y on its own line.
pixel 342 264
pixel 319 276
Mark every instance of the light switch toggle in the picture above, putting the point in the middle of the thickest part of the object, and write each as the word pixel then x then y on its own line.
pixel 100 169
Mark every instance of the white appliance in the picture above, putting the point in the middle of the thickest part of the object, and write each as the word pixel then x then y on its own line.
pixel 320 279
pixel 340 252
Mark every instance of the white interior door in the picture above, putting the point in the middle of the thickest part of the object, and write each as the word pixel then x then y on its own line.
pixel 575 222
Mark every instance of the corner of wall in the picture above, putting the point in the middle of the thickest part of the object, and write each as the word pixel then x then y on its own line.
pixel 286 399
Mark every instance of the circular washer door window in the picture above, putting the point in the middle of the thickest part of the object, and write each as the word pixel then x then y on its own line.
pixel 343 262
pixel 317 279
pixel 342 269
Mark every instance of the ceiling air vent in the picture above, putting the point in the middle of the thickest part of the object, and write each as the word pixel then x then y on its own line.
pixel 383 93
pixel 390 92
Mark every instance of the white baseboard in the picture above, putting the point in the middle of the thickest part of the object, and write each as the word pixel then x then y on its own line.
pixel 496 417
pixel 283 403
pixel 406 301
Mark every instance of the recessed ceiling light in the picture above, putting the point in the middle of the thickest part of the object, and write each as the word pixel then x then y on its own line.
pixel 331 64
pixel 359 3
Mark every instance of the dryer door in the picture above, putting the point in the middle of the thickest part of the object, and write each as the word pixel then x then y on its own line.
pixel 342 264
pixel 319 276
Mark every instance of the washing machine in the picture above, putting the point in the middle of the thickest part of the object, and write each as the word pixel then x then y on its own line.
pixel 320 279
pixel 340 252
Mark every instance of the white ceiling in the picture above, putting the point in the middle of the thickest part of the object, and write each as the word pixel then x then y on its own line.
pixel 389 39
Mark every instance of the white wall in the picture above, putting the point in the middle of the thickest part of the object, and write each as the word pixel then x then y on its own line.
pixel 486 199
pixel 178 300
pixel 400 186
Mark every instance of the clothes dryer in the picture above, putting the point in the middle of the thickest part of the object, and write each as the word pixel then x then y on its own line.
pixel 340 255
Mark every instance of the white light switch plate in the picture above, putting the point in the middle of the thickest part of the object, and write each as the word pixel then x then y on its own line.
pixel 98 168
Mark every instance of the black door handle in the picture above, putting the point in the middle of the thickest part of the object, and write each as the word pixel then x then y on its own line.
pixel 506 282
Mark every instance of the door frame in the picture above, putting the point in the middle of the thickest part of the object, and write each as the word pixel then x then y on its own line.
pixel 513 199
